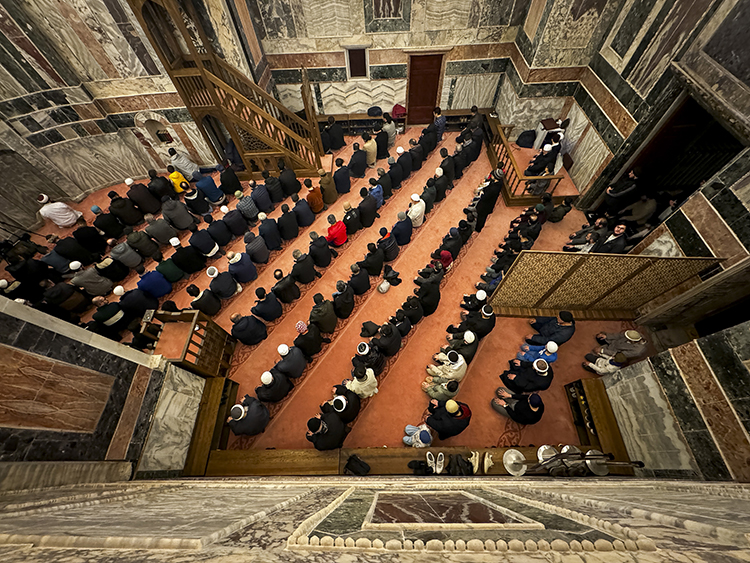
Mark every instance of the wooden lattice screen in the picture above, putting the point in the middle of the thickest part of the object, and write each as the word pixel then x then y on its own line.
pixel 591 286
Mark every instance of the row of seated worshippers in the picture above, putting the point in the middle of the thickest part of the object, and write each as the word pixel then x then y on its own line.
pixel 445 416
pixel 328 429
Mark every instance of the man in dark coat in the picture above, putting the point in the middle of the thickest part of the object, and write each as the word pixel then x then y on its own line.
pixel 389 341
pixel 466 346
pixel 345 403
pixel 72 250
pixel 159 229
pixel 323 314
pixel 274 187
pixel 256 248
pixel 187 258
pixel 417 155
pixel 292 362
pixel 144 245
pixel 428 138
pixel 108 224
pixel 448 418
pixel 309 339
pixel 274 387
pixel 488 199
pixel 441 184
pixel 381 140
pixel 351 219
pixel 326 431
pixel 287 223
pixel 343 300
pixel 558 329
pixel 611 243
pixel 286 288
pixel 452 243
pixel 460 160
pixel 235 221
pixel 223 284
pixel 289 182
pixel 261 197
pixel 395 173
pixel 373 261
pixel 358 163
pixel 429 195
pixel 142 197
pixel 124 209
pixel 335 134
pixel 359 281
pixel 228 179
pixel 479 322
pixel 303 270
pixel 341 177
pixel 269 230
pixel 90 239
pixel 204 242
pixel 267 306
pixel 384 179
pixel 429 297
pixel 388 244
pixel 368 208
pixel 248 330
pixel 525 377
pixel 218 230
pixel 204 301
pixel 249 418
pixel 160 186
pixel 196 202
pixel 448 166
pixel 402 230
pixel 305 215
pixel 177 214
pixel 320 251
pixel 523 409
pixel 404 160
pixel 368 357
pixel 241 267
pixel 401 322
pixel 543 161
pixel 412 308
pixel 136 302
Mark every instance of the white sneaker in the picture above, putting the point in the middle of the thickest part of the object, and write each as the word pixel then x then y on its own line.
pixel 488 463
pixel 440 463
pixel 431 461
pixel 474 459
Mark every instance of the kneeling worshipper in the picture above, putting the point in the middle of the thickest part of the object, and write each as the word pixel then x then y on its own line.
pixel 91 281
pixel 274 386
pixel 310 341
pixel 155 284
pixel 267 307
pixel 523 409
pixel 606 364
pixel 58 212
pixel 241 267
pixel 286 288
pixel 326 431
pixel 363 382
pixel 249 330
pixel 417 436
pixel 448 418
pixel 345 404
pixel 204 301
pixel 292 362
pixel 450 366
pixel 323 315
pixel 547 352
pixel 479 322
pixel 466 346
pixel 223 284
pixel 440 388
pixel 248 418
pixel 558 329
pixel 343 300
pixel 369 357
pixel 525 377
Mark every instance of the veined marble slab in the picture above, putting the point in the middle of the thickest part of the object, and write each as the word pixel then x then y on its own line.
pixel 525 113
pixel 356 96
pixel 578 122
pixel 174 417
pixel 446 14
pixel 664 245
pixel 326 18
pixel 290 96
pixel 589 154
pixel 474 89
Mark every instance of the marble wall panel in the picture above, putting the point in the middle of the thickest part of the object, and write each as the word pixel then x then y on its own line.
pixel 290 96
pixel 446 99
pixel 589 155
pixel 169 438
pixel 95 162
pixel 578 123
pixel 715 232
pixel 525 113
pixel 226 34
pixel 357 96
pixel 567 34
pixel 533 17
pixel 205 154
pixel 446 14
pixel 649 429
pixel 474 89
pixel 663 245
pixel 326 18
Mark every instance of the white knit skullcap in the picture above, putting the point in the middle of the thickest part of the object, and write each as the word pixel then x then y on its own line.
pixel 174 241
pixel 266 378
pixel 212 272
pixel 224 209
pixel 469 337
pixel 262 216
pixel 551 347
pixel 438 172
pixel 3 284
pixel 283 349
pixel 415 197
pixel 547 148
pixel 400 150
pixel 128 181
pixel 74 265
pixel 481 295
pixel 119 290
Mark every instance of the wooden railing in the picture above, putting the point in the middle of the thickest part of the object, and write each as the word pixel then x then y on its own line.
pixel 501 155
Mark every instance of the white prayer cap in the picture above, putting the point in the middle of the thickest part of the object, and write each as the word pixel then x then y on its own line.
pixel 633 335
pixel 119 290
pixel 400 150
pixel 339 403
pixel 438 172
pixel 224 209
pixel 3 284
pixel 541 366
pixel 481 295
pixel 266 378
pixel 415 197
pixel 238 412
pixel 551 347
pixel 174 241
pixel 362 348
pixel 212 272
pixel 469 337
pixel 75 265
pixel 262 216
pixel 43 198
pixel 128 181
pixel 283 349
pixel 547 148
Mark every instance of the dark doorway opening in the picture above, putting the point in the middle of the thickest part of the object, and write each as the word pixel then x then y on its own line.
pixel 424 79
pixel 738 312
pixel 689 148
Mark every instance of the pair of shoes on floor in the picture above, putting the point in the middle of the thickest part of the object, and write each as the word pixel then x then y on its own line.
pixel 436 465
pixel 476 462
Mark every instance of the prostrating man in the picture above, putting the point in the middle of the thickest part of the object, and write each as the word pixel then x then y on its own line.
pixel 107 223
pixel 323 314
pixel 274 386
pixel 155 284
pixel 90 239
pixel 523 409
pixel 558 329
pixel 142 197
pixel 159 229
pixel 235 221
pixel 160 186
pixel 187 258
pixel 124 209
pixel 249 330
pixel 110 318
pixel 136 301
pixel 248 418
pixel 176 213
pixel 144 245
pixel 58 212
pixel 90 280
pixel 205 243
pixel 286 288
pixel 267 306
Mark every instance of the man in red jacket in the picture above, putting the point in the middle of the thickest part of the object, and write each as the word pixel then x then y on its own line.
pixel 336 232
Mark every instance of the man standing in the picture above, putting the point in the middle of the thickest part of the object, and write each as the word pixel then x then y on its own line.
pixel 416 210
pixel 187 258
pixel 335 134
pixel 448 166
pixel 439 121
pixel 381 140
pixel 404 160
pixel 371 149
